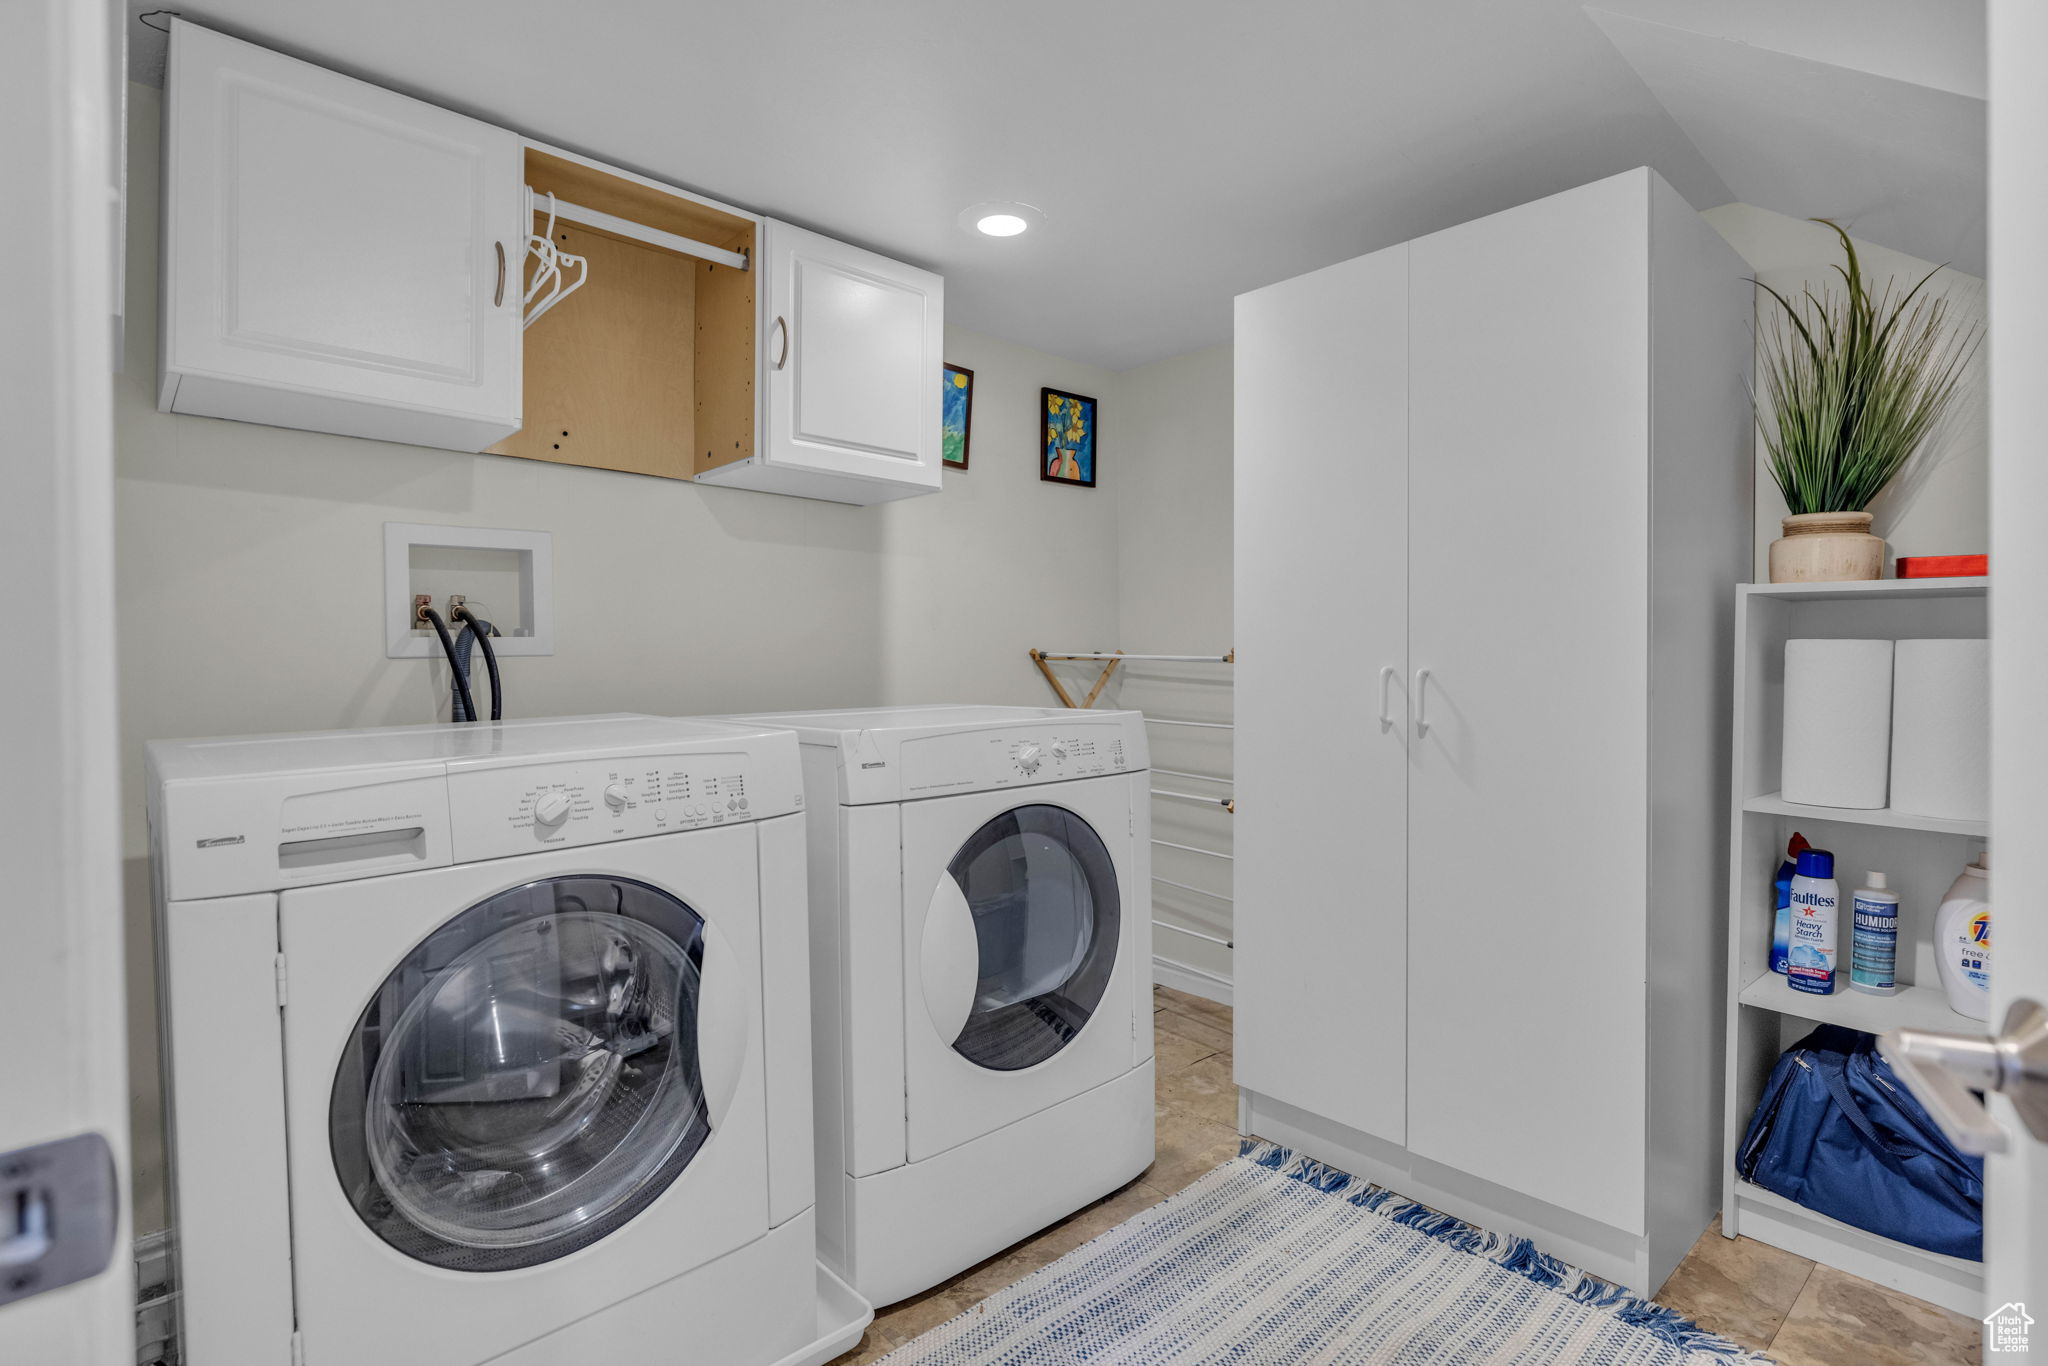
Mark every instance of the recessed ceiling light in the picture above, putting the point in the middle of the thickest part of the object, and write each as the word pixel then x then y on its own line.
pixel 1000 218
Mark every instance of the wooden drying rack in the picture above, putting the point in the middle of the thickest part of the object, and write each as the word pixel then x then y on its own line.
pixel 1110 659
pixel 1044 661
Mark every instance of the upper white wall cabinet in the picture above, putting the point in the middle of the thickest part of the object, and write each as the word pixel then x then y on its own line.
pixel 853 343
pixel 340 258
pixel 336 257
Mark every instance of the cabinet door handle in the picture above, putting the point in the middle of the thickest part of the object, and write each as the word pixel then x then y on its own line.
pixel 1386 677
pixel 498 299
pixel 782 356
pixel 1421 710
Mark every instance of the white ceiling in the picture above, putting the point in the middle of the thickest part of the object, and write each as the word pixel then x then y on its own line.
pixel 1894 159
pixel 1182 152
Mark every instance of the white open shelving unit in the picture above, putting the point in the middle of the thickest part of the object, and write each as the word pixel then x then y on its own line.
pixel 1920 854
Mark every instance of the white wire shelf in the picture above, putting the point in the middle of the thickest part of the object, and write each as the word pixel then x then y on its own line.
pixel 1198 777
pixel 1111 661
pixel 1198 891
pixel 1192 934
pixel 1191 849
pixel 1200 800
pixel 1103 655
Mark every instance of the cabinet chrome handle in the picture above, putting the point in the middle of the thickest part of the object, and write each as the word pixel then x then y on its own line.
pixel 782 356
pixel 498 299
pixel 1421 710
pixel 1386 677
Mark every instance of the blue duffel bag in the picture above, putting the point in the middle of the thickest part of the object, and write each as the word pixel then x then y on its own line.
pixel 1838 1133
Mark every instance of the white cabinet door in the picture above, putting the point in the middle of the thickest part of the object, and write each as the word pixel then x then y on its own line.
pixel 337 257
pixel 2016 1229
pixel 1528 607
pixel 853 359
pixel 1321 582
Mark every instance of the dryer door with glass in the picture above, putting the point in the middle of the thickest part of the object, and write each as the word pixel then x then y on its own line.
pixel 535 1070
pixel 1021 984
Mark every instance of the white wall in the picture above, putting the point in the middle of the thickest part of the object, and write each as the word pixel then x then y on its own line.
pixel 1172 444
pixel 250 582
pixel 1001 561
pixel 1941 504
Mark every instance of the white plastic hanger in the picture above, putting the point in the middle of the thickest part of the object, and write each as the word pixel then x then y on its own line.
pixel 549 284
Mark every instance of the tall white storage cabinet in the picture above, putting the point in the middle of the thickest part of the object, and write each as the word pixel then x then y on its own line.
pixel 336 256
pixel 1492 486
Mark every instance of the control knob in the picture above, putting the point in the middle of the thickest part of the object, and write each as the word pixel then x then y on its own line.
pixel 615 796
pixel 551 808
pixel 1028 758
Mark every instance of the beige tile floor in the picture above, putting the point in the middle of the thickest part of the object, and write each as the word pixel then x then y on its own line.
pixel 1802 1314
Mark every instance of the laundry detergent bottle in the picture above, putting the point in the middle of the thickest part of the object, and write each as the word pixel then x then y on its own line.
pixel 1815 900
pixel 1962 941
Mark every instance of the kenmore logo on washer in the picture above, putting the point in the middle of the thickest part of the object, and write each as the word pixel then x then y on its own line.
pixel 218 840
pixel 880 763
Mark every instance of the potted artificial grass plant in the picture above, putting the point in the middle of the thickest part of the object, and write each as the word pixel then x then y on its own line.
pixel 1855 383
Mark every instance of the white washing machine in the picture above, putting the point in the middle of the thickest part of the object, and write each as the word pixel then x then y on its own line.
pixel 981 942
pixel 490 1043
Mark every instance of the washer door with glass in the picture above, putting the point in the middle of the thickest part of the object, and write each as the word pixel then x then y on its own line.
pixel 1022 949
pixel 518 1092
pixel 526 1080
pixel 1041 895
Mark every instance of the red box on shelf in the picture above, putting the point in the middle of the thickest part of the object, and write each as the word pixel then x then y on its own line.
pixel 1943 566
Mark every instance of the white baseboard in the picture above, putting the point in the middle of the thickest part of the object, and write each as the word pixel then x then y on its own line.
pixel 1612 1253
pixel 1193 981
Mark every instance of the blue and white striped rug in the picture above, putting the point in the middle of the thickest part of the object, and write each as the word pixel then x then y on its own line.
pixel 1275 1260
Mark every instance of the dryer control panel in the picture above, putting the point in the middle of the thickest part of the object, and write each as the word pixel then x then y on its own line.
pixel 978 761
pixel 499 811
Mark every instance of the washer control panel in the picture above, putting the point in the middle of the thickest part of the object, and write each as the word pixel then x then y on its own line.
pixel 1010 757
pixel 499 811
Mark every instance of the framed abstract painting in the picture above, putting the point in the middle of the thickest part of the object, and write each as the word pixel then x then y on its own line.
pixel 1070 450
pixel 956 416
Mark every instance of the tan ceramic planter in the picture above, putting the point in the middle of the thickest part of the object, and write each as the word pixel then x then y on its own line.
pixel 1827 547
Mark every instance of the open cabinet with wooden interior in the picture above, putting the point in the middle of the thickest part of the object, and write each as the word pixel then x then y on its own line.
pixel 648 365
pixel 703 343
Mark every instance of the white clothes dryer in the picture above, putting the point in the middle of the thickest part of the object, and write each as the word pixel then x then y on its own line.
pixel 491 1043
pixel 981 951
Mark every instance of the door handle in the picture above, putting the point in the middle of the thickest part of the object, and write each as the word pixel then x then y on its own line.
pixel 59 1203
pixel 782 356
pixel 498 299
pixel 1386 677
pixel 1421 710
pixel 1942 1070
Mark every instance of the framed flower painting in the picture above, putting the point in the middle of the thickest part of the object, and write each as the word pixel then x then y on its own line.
pixel 1070 447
